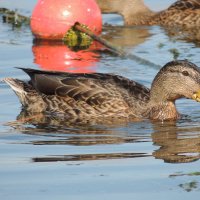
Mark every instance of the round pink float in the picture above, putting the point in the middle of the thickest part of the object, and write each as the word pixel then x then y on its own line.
pixel 51 19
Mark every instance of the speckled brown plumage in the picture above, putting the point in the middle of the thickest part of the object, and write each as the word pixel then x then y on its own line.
pixel 182 13
pixel 107 95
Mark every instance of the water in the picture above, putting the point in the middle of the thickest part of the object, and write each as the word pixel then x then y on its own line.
pixel 136 160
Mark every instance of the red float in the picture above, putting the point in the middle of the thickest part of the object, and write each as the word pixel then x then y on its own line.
pixel 51 19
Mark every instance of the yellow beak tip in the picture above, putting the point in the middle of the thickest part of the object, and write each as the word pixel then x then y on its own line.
pixel 196 96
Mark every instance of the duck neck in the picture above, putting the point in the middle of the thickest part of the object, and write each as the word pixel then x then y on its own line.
pixel 165 110
pixel 134 12
pixel 163 95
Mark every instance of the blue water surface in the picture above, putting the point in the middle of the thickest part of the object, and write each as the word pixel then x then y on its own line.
pixel 137 160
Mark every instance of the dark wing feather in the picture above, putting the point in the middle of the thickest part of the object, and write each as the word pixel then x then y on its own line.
pixel 46 82
pixel 93 88
pixel 185 4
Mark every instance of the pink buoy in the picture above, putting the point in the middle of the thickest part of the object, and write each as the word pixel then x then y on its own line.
pixel 51 19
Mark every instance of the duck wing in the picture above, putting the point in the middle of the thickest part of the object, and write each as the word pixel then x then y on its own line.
pixel 97 89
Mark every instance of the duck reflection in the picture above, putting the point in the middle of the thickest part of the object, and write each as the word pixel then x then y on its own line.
pixel 57 56
pixel 175 142
pixel 181 33
pixel 126 36
pixel 132 36
pixel 62 131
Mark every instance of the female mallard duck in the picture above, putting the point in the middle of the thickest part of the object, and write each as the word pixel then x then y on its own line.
pixel 107 95
pixel 182 13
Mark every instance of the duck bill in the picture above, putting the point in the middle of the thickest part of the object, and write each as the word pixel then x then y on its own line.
pixel 196 96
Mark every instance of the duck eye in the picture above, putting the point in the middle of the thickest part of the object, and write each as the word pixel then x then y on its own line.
pixel 185 73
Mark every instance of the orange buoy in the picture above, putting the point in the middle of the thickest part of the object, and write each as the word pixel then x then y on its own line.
pixel 52 19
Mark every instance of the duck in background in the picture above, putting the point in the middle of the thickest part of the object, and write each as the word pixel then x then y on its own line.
pixel 101 96
pixel 183 13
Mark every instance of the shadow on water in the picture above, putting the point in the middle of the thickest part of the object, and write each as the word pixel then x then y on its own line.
pixel 89 157
pixel 175 142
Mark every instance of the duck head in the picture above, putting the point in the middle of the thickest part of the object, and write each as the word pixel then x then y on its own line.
pixel 177 79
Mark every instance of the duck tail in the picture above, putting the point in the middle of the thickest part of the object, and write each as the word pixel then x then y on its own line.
pixel 16 84
pixel 28 96
pixel 19 87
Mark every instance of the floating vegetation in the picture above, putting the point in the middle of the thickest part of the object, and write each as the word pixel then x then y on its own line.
pixel 161 45
pixel 175 53
pixel 190 186
pixel 12 17
pixel 185 174
pixel 76 39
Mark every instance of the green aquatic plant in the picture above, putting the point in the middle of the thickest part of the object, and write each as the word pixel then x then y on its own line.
pixel 74 38
pixel 185 174
pixel 194 174
pixel 161 45
pixel 175 53
pixel 190 186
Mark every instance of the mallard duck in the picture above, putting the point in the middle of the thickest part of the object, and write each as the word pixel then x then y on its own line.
pixel 182 13
pixel 101 95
